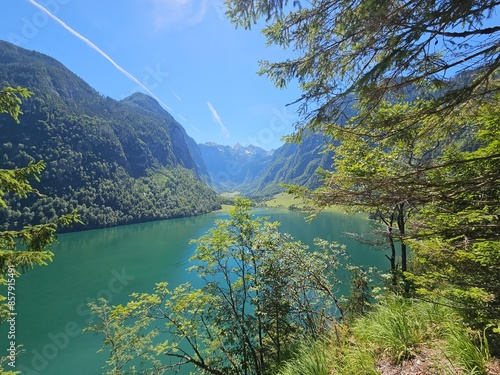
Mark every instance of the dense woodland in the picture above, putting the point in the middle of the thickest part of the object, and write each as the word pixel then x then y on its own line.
pixel 115 162
pixel 128 161
pixel 405 97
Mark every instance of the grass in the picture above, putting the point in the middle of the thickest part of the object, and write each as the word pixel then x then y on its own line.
pixel 402 327
pixel 469 350
pixel 233 194
pixel 310 358
pixel 398 325
pixel 283 200
pixel 225 208
pixel 330 356
pixel 398 336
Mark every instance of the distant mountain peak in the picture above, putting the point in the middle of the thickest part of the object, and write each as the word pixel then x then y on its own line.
pixel 144 101
pixel 141 96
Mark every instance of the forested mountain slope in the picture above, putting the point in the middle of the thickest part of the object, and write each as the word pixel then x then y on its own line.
pixel 233 168
pixel 116 162
pixel 294 164
pixel 255 172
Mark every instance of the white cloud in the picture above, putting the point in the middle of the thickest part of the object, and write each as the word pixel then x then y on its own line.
pixel 168 13
pixel 218 120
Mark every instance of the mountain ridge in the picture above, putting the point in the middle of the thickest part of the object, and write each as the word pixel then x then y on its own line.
pixel 126 161
pixel 117 162
pixel 258 173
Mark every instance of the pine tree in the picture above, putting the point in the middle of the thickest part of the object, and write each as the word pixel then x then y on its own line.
pixel 23 249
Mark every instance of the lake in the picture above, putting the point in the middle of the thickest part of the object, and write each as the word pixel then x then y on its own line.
pixel 115 262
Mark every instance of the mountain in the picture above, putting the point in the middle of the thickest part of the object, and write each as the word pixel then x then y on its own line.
pixel 184 147
pixel 293 164
pixel 232 168
pixel 255 172
pixel 116 162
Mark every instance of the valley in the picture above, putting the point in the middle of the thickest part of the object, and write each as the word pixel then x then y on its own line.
pixel 358 234
pixel 128 161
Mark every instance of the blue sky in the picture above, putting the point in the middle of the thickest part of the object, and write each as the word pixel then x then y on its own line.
pixel 184 52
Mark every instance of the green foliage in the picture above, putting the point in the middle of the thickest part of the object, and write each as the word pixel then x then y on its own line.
pixel 22 249
pixel 417 148
pixel 261 293
pixel 434 185
pixel 339 355
pixel 396 326
pixel 457 252
pixel 17 180
pixel 468 349
pixel 367 52
pixel 402 327
pixel 347 356
pixel 11 99
pixel 310 358
pixel 358 301
pixel 399 329
pixel 115 162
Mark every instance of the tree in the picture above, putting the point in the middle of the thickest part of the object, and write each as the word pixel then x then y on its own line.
pixel 367 52
pixel 364 178
pixel 261 292
pixel 11 99
pixel 456 242
pixel 403 87
pixel 443 170
pixel 23 249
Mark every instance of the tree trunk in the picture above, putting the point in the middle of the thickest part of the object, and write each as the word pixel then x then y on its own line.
pixel 392 258
pixel 389 225
pixel 401 226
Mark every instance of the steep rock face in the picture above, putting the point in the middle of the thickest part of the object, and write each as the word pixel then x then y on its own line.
pixel 232 168
pixel 115 161
pixel 255 172
pixel 184 149
pixel 294 164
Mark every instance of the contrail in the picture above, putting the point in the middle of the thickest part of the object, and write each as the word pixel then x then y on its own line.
pixel 98 50
pixel 177 96
pixel 218 120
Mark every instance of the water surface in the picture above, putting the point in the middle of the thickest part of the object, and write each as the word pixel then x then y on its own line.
pixel 115 262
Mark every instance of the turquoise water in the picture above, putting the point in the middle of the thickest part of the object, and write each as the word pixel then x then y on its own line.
pixel 115 262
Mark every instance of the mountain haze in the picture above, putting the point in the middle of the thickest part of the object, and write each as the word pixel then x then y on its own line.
pixel 233 168
pixel 294 164
pixel 255 172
